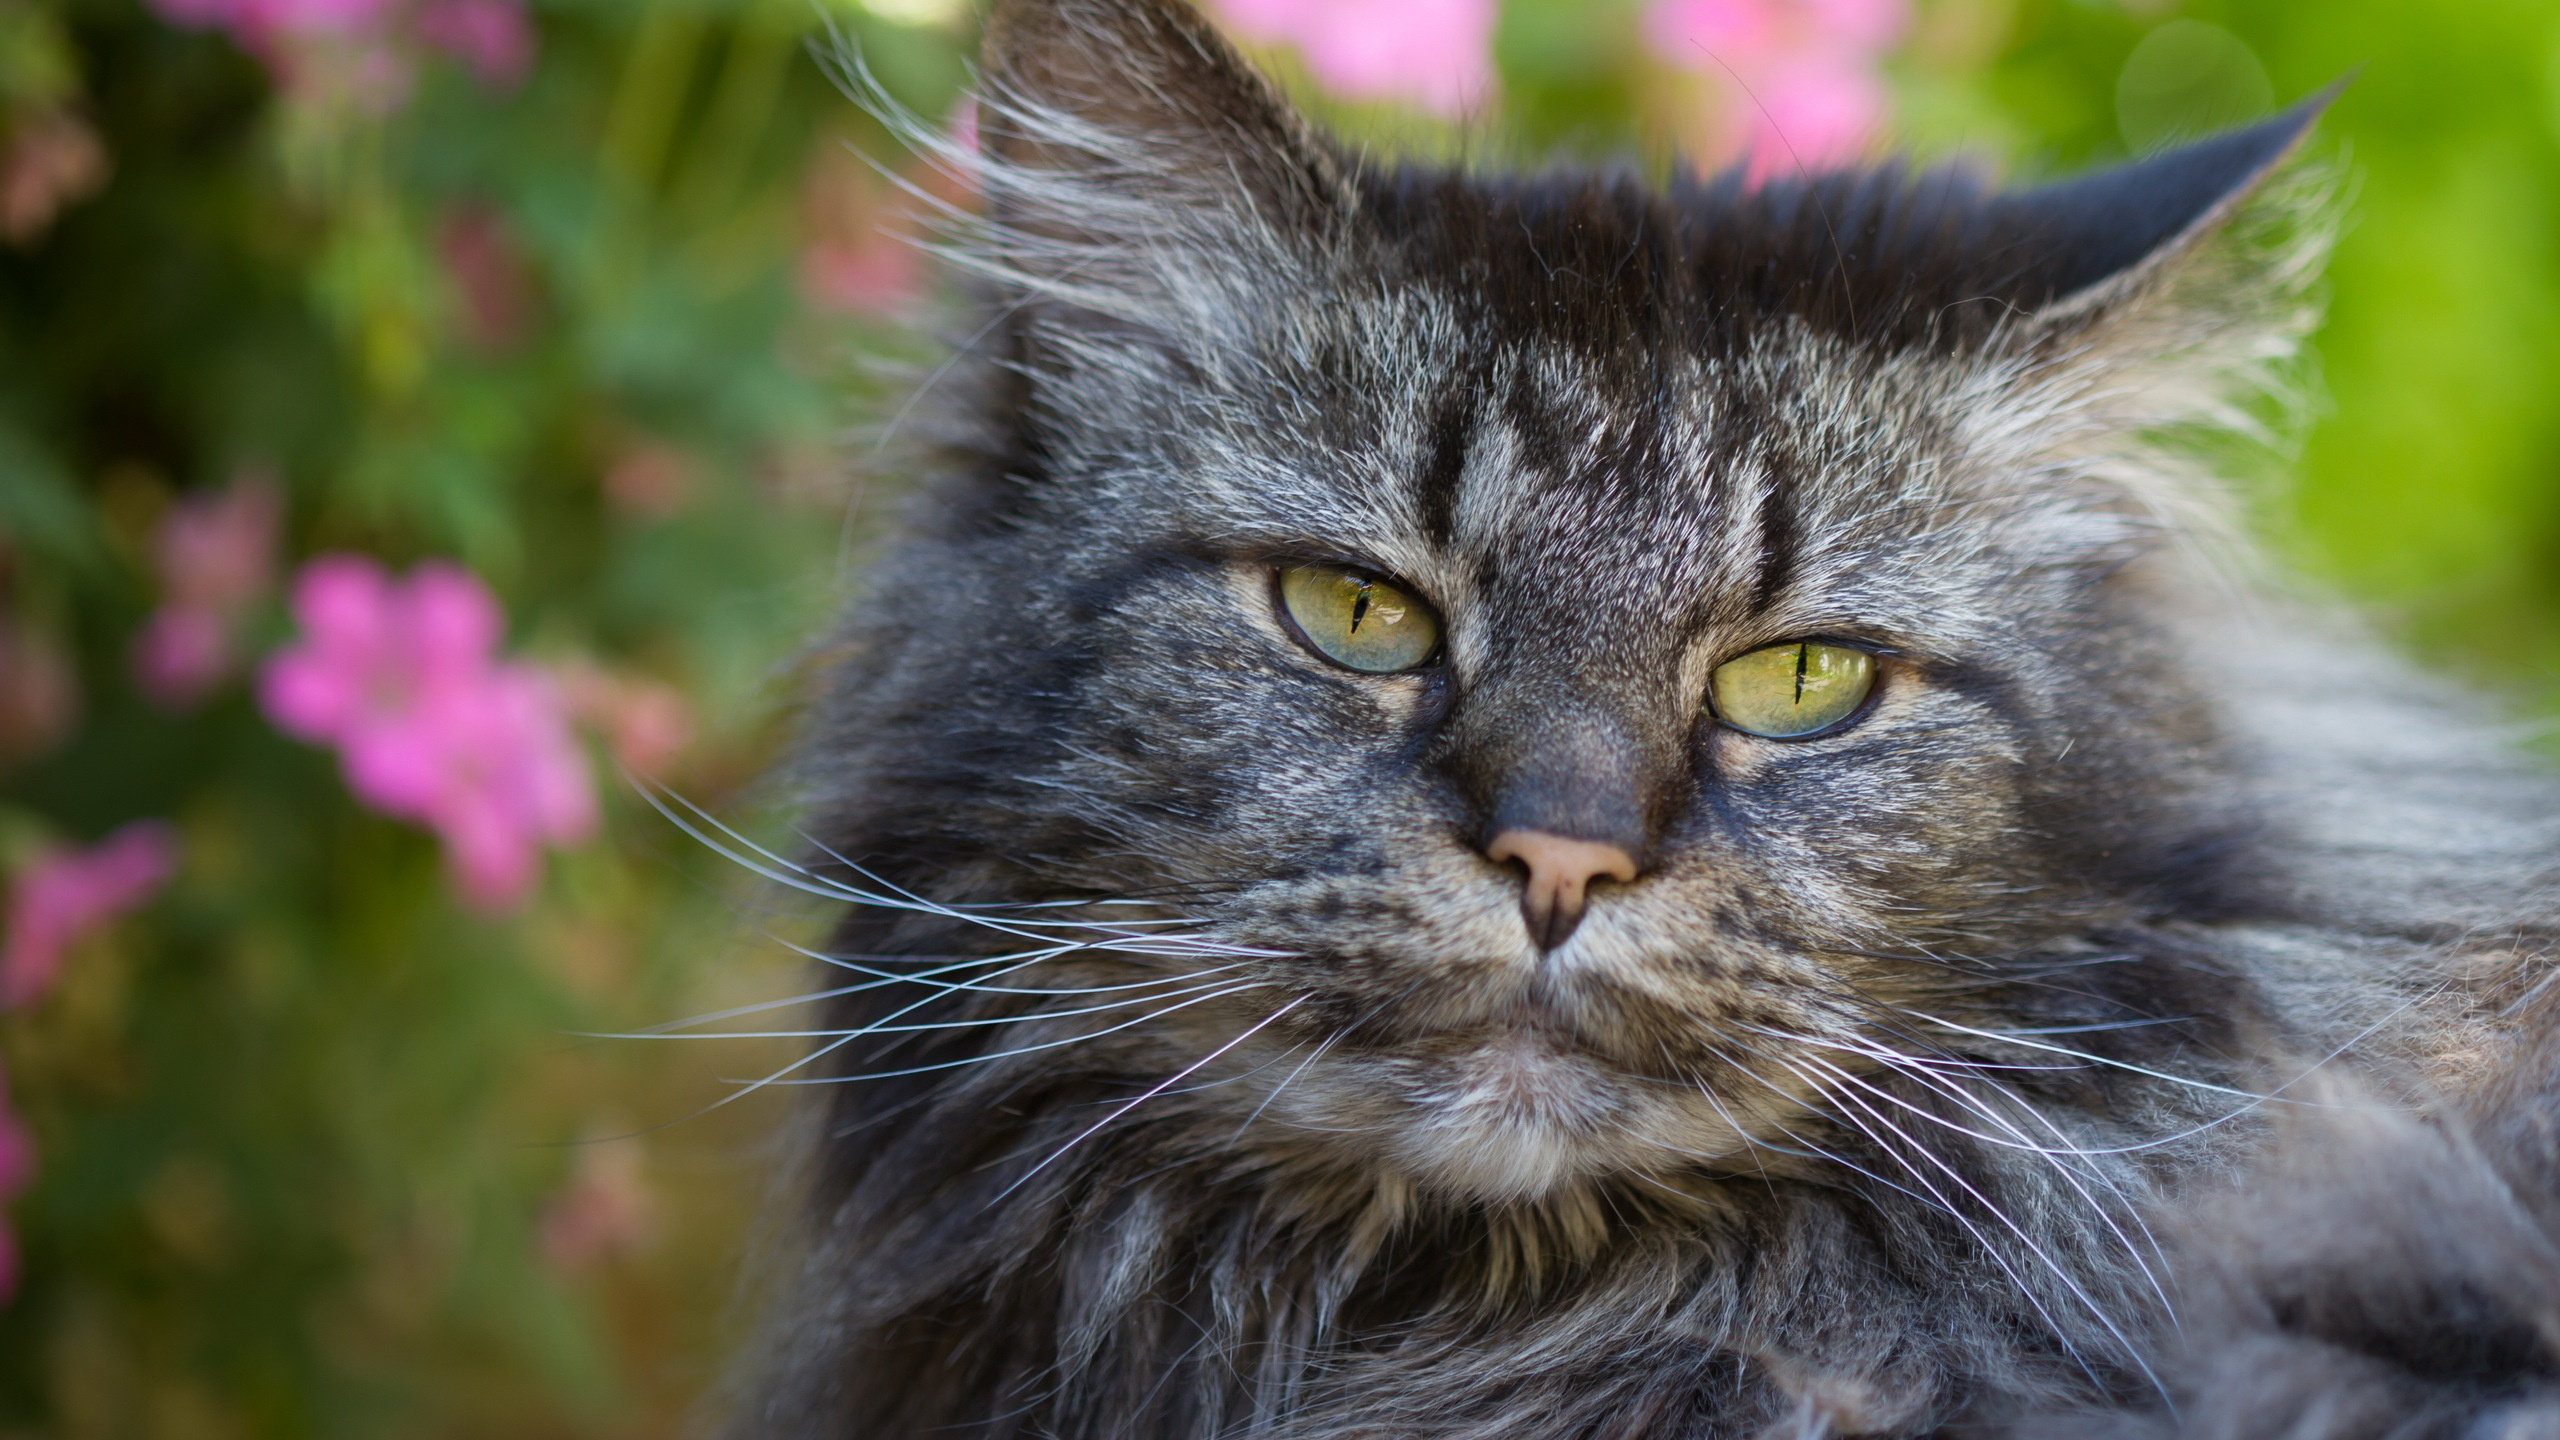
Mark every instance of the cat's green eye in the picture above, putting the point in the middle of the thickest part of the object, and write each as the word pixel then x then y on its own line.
pixel 1357 620
pixel 1787 692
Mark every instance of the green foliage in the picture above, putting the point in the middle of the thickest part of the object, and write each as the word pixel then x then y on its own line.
pixel 316 1144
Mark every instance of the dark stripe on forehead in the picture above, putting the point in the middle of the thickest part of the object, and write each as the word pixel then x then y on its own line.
pixel 1444 463
pixel 1778 537
pixel 1533 425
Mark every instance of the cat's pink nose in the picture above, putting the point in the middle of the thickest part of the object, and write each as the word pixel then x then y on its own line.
pixel 1560 874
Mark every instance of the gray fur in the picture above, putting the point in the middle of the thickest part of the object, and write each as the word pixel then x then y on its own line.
pixel 1871 1107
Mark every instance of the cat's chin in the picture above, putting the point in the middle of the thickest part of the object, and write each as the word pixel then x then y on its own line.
pixel 1515 1119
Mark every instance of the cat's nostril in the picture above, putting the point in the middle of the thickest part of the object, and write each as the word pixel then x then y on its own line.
pixel 1561 870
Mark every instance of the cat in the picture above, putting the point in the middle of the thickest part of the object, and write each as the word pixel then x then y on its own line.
pixel 1543 806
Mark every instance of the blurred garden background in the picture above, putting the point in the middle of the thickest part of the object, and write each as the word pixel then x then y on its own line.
pixel 421 419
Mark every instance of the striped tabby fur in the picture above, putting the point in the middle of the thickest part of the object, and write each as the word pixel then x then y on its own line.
pixel 1195 1074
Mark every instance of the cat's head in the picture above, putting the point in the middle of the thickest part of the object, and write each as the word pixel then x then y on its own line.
pixel 1601 656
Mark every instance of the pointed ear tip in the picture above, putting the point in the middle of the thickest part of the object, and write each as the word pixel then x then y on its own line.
pixel 2295 120
pixel 2246 154
pixel 2106 225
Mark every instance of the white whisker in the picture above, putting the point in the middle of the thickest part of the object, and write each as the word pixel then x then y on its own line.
pixel 982 1022
pixel 1286 1081
pixel 1247 1034
pixel 1005 1054
pixel 2035 1248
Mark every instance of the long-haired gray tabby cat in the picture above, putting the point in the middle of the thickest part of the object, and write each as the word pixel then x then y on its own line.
pixel 1533 807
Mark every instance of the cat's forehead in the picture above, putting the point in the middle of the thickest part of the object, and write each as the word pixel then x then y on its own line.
pixel 1427 436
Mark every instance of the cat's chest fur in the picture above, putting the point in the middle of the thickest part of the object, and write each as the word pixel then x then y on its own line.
pixel 1540 807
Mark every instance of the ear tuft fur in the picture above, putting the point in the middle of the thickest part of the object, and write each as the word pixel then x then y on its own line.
pixel 1129 151
pixel 2104 234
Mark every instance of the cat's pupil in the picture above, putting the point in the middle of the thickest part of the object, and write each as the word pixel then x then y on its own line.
pixel 1360 606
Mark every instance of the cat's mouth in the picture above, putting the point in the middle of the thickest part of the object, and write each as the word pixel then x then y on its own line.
pixel 1461 1055
pixel 1512 1112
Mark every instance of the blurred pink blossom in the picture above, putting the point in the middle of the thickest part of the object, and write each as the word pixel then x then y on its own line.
pixel 649 479
pixel 218 550
pixel 645 723
pixel 17 1168
pixel 493 37
pixel 490 277
pixel 181 654
pixel 53 159
pixel 861 256
pixel 257 22
pixel 512 779
pixel 1685 32
pixel 1802 79
pixel 605 1207
pixel 39 690
pixel 64 894
pixel 1815 114
pixel 358 52
pixel 1868 25
pixel 877 272
pixel 1437 53
pixel 216 556
pixel 402 677
pixel 313 17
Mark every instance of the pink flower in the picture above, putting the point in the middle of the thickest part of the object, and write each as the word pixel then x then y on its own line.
pixel 1437 53
pixel 649 479
pixel 53 160
pixel 1799 79
pixel 511 778
pixel 327 54
pixel 493 37
pixel 1868 26
pixel 646 724
pixel 181 654
pixel 489 276
pixel 1692 33
pixel 63 895
pixel 605 1207
pixel 1815 115
pixel 313 17
pixel 39 691
pixel 219 550
pixel 375 653
pixel 1748 35
pixel 358 53
pixel 861 255
pixel 261 19
pixel 429 725
pixel 216 556
pixel 874 273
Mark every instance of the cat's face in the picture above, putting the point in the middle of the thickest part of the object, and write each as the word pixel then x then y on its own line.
pixel 1596 534
pixel 1556 428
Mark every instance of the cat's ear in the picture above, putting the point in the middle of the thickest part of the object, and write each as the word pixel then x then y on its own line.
pixel 2102 240
pixel 2160 302
pixel 1130 152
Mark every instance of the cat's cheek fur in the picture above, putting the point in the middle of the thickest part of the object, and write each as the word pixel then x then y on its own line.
pixel 1883 833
